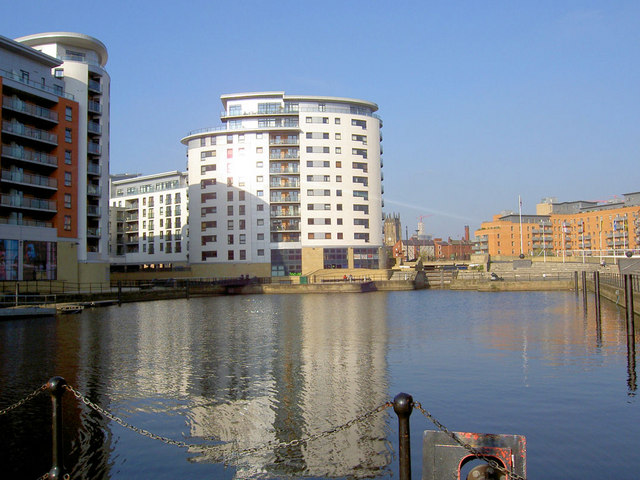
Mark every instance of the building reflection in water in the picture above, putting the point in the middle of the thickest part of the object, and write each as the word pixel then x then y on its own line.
pixel 325 364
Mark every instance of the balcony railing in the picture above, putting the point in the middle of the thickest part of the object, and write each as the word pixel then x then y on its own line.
pixel 26 222
pixel 30 203
pixel 285 184
pixel 30 132
pixel 29 179
pixel 94 107
pixel 93 190
pixel 93 148
pixel 95 86
pixel 285 198
pixel 18 105
pixel 93 210
pixel 279 169
pixel 56 90
pixel 93 232
pixel 94 169
pixel 94 127
pixel 29 156
pixel 131 218
pixel 281 212
pixel 284 141
pixel 288 156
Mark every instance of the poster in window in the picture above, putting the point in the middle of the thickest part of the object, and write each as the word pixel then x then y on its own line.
pixel 8 259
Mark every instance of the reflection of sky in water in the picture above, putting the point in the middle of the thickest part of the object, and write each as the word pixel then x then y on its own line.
pixel 253 369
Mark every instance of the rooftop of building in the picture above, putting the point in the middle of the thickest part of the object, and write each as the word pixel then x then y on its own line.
pixel 26 51
pixel 304 98
pixel 71 39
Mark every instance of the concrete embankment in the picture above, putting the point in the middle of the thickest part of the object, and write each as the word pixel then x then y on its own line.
pixel 485 285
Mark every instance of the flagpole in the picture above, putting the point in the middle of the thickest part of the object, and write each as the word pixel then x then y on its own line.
pixel 520 213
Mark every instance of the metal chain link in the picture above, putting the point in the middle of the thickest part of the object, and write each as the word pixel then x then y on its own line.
pixel 473 451
pixel 326 433
pixel 66 476
pixel 29 397
pixel 220 447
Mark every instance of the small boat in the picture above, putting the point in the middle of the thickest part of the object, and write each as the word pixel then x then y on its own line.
pixel 69 308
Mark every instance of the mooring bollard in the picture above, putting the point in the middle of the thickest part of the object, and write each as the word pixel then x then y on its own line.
pixel 575 282
pixel 403 405
pixel 119 292
pixel 584 289
pixel 186 289
pixel 56 387
pixel 628 302
pixel 596 292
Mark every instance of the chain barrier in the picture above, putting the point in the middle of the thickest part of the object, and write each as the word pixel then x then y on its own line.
pixel 66 476
pixel 473 451
pixel 26 399
pixel 221 447
pixel 268 445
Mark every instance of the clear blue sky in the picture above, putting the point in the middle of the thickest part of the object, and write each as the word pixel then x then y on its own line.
pixel 481 101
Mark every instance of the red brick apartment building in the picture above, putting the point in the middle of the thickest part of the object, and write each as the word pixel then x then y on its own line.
pixel 578 228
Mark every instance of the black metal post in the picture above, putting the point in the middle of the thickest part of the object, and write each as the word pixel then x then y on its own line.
pixel 575 281
pixel 119 292
pixel 584 289
pixel 56 388
pixel 186 288
pixel 596 291
pixel 403 405
pixel 628 296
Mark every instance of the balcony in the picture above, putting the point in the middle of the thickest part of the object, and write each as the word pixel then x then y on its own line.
pixel 285 198
pixel 29 156
pixel 94 190
pixel 94 127
pixel 26 222
pixel 29 179
pixel 132 217
pixel 93 232
pixel 272 110
pixel 31 133
pixel 290 227
pixel 94 107
pixel 93 210
pixel 285 212
pixel 55 89
pixel 132 239
pixel 94 169
pixel 284 168
pixel 284 141
pixel 128 205
pixel 94 86
pixel 284 156
pixel 277 182
pixel 94 148
pixel 131 228
pixel 28 203
pixel 17 105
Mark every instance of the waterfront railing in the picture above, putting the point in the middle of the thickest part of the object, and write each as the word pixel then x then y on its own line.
pixel 402 404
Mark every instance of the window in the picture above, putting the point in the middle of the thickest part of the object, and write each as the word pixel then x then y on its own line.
pixel 260 236
pixel 338 150
pixel 68 114
pixel 241 195
pixel 261 252
pixel 241 138
pixel 229 224
pixel 206 254
pixel 67 135
pixel 242 239
pixel 243 254
pixel 359 151
pixel 229 152
pixel 318 150
pixel 229 181
pixel 229 210
pixel 338 178
pixel 259 178
pixel 339 206
pixel 229 139
pixel 260 222
pixel 59 73
pixel 242 224
pixel 204 169
pixel 203 142
pixel 229 196
pixel 207 210
pixel 259 207
pixel 67 200
pixel 67 222
pixel 259 150
pixel 318 163
pixel 338 136
pixel 337 121
pixel 207 154
pixel 338 221
pixel 230 255
pixel 178 221
pixel 162 247
pixel 212 141
pixel 67 157
pixel 338 192
pixel 338 164
pixel 359 123
pixel 259 164
pixel 340 236
pixel 67 179
pixel 260 193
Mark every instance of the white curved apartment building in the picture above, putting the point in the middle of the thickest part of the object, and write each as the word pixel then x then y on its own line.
pixel 289 184
pixel 83 72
